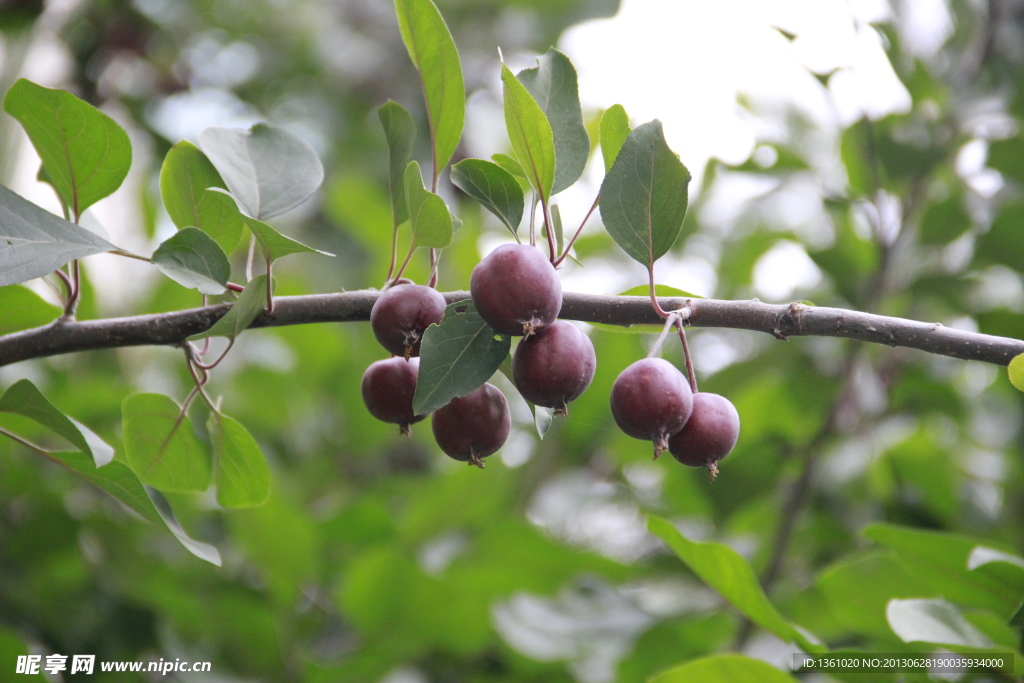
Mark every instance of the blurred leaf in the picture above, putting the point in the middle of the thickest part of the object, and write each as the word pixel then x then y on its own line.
pixel 400 132
pixel 185 177
pixel 11 646
pixel 23 309
pixel 194 260
pixel 720 668
pixel 247 307
pixel 723 569
pixel 494 187
pixel 856 149
pixel 242 477
pixel 614 131
pixel 850 260
pixel 933 621
pixel 1002 243
pixel 274 244
pixel 456 357
pixel 940 562
pixel 553 86
pixel 85 153
pixel 267 169
pixel 1007 157
pixel 428 215
pixel 530 133
pixel 644 195
pixel 23 398
pixel 435 56
pixel 161 447
pixel 34 242
pixel 944 221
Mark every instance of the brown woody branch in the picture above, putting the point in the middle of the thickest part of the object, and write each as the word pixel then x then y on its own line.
pixel 780 320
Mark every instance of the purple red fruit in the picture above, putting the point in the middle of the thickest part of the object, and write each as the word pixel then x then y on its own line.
pixel 709 434
pixel 388 387
pixel 402 313
pixel 651 400
pixel 470 428
pixel 554 366
pixel 516 290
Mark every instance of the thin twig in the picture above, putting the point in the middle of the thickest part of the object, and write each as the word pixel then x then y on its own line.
pixel 568 247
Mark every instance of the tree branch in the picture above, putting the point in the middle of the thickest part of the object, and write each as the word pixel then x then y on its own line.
pixel 781 320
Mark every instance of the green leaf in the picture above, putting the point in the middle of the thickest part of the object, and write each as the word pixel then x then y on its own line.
pixel 34 242
pixel 194 260
pixel 456 356
pixel 185 179
pixel 435 56
pixel 1007 157
pixel 944 221
pixel 553 85
pixel 724 570
pixel 23 398
pixel 267 169
pixel 933 621
pixel 512 166
pixel 243 479
pixel 160 445
pixel 85 153
pixel 428 215
pixel 494 187
pixel 723 669
pixel 22 309
pixel 1016 371
pixel 613 133
pixel 400 133
pixel 274 244
pixel 246 308
pixel 940 561
pixel 530 134
pixel 643 197
pixel 1002 243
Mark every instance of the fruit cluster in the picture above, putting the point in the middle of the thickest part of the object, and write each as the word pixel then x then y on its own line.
pixel 517 292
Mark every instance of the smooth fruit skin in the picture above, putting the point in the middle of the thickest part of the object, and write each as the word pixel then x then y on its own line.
pixel 388 387
pixel 554 366
pixel 470 428
pixel 516 290
pixel 402 313
pixel 709 434
pixel 651 400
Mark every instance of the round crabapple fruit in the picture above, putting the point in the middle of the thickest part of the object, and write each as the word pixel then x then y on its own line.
pixel 651 400
pixel 554 366
pixel 388 387
pixel 710 433
pixel 516 290
pixel 474 426
pixel 402 313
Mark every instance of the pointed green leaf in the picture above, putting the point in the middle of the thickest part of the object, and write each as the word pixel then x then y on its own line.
pixel 194 260
pixel 22 309
pixel 530 134
pixel 1016 370
pixel 643 197
pixel 553 85
pixel 85 153
pixel 274 244
pixel 247 307
pixel 428 215
pixel 512 166
pixel 614 130
pixel 23 398
pixel 243 479
pixel 267 169
pixel 721 668
pixel 160 445
pixel 34 242
pixel 400 133
pixel 456 357
pixel 435 56
pixel 185 179
pixel 118 480
pixel 494 187
pixel 933 621
pixel 725 570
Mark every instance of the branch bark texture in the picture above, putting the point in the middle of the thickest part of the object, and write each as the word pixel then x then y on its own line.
pixel 781 320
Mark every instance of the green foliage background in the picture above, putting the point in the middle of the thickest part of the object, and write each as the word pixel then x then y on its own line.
pixel 378 555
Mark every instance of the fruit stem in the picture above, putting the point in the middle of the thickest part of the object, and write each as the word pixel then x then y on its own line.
pixel 533 219
pixel 686 354
pixel 549 231
pixel 249 258
pixel 662 313
pixel 405 263
pixel 669 322
pixel 435 259
pixel 568 246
